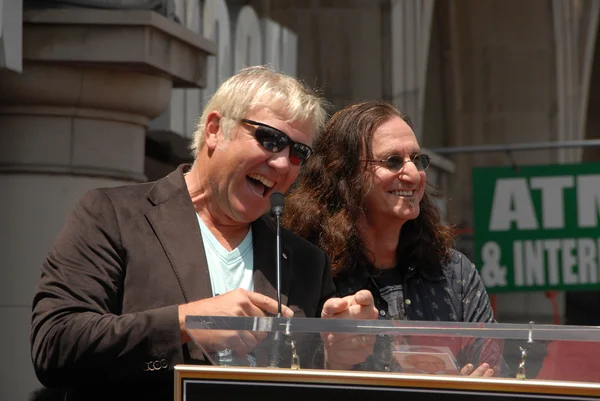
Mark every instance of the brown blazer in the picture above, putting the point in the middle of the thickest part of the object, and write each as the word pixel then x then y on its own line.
pixel 106 304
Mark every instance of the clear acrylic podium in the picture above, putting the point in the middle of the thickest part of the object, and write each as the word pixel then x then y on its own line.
pixel 272 358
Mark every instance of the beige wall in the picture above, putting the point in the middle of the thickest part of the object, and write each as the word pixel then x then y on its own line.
pixel 500 85
pixel 340 46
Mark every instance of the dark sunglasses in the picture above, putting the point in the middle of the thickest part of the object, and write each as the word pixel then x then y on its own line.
pixel 395 163
pixel 275 141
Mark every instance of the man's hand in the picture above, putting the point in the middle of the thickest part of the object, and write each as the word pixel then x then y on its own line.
pixel 238 302
pixel 358 306
pixel 343 351
pixel 483 370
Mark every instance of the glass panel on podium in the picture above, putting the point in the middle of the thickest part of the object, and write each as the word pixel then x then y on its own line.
pixel 513 351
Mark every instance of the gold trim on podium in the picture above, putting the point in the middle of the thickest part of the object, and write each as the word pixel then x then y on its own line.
pixel 423 381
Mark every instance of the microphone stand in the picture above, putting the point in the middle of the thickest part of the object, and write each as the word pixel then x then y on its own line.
pixel 278 261
pixel 277 351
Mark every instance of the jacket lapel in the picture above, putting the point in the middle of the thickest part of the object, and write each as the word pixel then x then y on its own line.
pixel 265 268
pixel 174 222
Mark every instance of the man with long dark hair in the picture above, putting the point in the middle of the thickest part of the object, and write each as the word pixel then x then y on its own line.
pixel 363 199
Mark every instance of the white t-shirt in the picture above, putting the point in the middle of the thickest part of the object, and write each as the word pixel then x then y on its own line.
pixel 228 269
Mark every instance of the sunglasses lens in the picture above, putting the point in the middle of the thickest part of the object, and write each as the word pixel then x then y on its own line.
pixel 271 140
pixel 295 159
pixel 394 163
pixel 275 141
pixel 299 154
pixel 422 162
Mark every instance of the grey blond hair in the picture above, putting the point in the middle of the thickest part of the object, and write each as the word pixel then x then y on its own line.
pixel 260 86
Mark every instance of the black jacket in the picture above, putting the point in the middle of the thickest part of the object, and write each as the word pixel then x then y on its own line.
pixel 105 315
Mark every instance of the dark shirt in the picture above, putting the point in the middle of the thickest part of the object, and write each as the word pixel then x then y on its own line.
pixel 389 282
pixel 455 294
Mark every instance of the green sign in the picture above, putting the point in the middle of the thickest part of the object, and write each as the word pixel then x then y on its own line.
pixel 537 228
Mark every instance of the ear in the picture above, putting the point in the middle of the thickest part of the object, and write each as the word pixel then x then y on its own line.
pixel 212 127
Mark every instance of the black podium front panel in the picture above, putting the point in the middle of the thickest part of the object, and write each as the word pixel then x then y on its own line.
pixel 196 383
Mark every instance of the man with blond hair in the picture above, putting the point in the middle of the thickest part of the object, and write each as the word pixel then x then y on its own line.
pixel 132 262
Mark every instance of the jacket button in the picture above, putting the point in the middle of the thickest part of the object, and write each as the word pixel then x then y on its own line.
pixel 382 312
pixel 407 302
pixel 164 364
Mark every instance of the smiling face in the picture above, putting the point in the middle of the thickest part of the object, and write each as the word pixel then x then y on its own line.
pixel 242 173
pixel 394 196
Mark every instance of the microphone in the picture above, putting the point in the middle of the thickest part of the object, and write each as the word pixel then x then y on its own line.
pixel 277 204
pixel 276 356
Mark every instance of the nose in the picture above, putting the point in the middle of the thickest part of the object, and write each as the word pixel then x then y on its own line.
pixel 280 161
pixel 409 169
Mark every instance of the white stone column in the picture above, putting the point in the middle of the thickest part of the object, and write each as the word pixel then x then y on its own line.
pixel 75 119
pixel 410 32
pixel 575 29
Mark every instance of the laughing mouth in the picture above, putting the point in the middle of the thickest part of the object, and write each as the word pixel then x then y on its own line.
pixel 259 184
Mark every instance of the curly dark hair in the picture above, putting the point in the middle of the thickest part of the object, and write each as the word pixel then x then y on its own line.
pixel 328 199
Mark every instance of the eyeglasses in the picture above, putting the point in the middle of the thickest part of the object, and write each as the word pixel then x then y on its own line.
pixel 275 141
pixel 395 163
